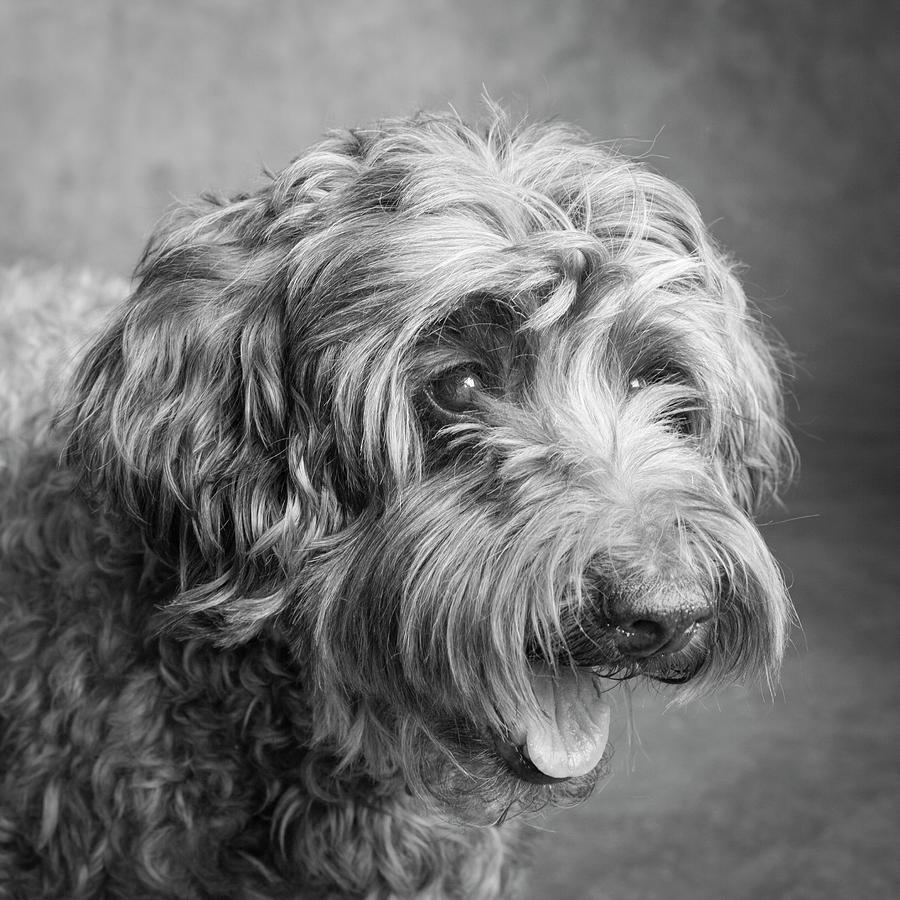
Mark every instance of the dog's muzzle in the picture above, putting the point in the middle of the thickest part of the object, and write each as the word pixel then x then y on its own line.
pixel 659 629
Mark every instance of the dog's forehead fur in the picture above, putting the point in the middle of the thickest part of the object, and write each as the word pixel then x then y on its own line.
pixel 515 215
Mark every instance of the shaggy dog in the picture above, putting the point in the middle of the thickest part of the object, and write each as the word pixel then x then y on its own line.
pixel 356 510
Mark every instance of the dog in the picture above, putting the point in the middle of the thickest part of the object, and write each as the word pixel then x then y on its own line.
pixel 354 514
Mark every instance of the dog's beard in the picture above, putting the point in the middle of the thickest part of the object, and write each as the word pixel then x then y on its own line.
pixel 475 605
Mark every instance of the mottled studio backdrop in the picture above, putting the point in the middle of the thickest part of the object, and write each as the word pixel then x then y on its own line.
pixel 782 119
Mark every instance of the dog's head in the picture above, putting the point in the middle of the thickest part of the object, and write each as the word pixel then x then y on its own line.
pixel 472 420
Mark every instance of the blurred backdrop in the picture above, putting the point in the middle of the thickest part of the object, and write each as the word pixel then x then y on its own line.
pixel 781 117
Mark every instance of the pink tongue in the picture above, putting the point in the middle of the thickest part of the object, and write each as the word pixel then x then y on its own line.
pixel 570 735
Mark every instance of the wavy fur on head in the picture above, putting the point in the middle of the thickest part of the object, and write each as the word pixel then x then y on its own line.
pixel 361 450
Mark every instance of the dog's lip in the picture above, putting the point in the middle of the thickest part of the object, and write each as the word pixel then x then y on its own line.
pixel 566 733
pixel 677 669
pixel 680 641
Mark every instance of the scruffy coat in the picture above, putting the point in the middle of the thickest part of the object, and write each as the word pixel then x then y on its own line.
pixel 362 453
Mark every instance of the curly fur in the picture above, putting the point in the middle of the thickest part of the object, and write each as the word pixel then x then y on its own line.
pixel 266 613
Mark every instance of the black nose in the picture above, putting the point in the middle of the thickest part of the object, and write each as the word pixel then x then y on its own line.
pixel 655 622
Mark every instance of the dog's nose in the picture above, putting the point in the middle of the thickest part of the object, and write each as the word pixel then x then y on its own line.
pixel 656 622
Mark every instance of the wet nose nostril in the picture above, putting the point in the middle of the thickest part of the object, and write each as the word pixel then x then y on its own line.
pixel 642 626
pixel 645 633
pixel 639 638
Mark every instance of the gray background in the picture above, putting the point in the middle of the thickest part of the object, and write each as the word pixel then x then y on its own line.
pixel 781 118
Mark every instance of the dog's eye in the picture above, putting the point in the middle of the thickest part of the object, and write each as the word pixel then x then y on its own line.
pixel 457 391
pixel 637 384
pixel 665 373
pixel 681 419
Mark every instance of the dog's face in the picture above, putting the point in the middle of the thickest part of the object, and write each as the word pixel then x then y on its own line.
pixel 474 422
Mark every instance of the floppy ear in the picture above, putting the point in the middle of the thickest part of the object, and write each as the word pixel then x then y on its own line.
pixel 186 417
pixel 757 446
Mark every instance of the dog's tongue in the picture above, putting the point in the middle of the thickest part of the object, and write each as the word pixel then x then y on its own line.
pixel 570 735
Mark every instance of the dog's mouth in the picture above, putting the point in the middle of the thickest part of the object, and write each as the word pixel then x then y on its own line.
pixel 567 735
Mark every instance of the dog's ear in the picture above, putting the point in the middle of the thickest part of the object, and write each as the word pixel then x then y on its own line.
pixel 756 446
pixel 188 417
